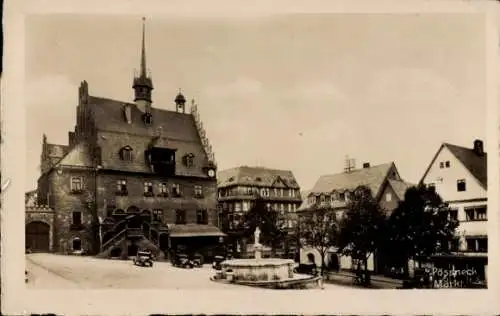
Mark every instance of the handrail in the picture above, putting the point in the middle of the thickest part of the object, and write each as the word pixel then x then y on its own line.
pixel 113 238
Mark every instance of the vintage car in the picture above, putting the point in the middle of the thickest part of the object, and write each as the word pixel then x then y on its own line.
pixel 197 260
pixel 182 261
pixel 143 258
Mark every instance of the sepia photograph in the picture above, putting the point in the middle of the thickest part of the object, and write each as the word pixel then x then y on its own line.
pixel 280 153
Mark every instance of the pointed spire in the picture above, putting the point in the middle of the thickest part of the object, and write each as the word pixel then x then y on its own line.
pixel 143 52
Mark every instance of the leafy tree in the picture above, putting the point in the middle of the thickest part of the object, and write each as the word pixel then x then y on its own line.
pixel 361 225
pixel 259 215
pixel 318 228
pixel 419 227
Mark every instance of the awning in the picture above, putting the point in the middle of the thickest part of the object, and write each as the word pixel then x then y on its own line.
pixel 195 230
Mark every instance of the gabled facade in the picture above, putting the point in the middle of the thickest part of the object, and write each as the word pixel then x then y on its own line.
pixel 144 176
pixel 334 191
pixel 459 176
pixel 239 187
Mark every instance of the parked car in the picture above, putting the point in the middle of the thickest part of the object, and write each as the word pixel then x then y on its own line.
pixel 143 258
pixel 182 261
pixel 197 260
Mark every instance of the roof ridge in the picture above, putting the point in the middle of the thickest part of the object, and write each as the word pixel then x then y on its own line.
pixel 358 169
pixel 461 147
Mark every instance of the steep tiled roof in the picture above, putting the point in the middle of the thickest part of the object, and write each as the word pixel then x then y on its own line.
pixel 476 164
pixel 169 129
pixel 373 177
pixel 400 187
pixel 109 116
pixel 256 176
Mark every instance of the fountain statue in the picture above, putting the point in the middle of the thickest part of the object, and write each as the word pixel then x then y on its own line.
pixel 263 272
pixel 257 246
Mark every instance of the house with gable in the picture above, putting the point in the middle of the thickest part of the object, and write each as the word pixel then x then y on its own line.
pixel 459 175
pixel 137 176
pixel 239 187
pixel 334 191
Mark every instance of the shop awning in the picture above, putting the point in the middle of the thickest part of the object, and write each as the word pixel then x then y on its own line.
pixel 195 230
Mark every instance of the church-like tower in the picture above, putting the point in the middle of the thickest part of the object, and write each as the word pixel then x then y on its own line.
pixel 143 84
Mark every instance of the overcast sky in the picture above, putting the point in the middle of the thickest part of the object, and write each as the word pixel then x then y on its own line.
pixel 292 92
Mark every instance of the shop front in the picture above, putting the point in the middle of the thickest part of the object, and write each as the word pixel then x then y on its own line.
pixel 192 239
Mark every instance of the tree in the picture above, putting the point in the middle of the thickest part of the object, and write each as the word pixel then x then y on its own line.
pixel 259 215
pixel 419 227
pixel 361 225
pixel 318 228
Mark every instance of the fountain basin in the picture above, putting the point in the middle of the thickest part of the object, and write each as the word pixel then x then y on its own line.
pixel 254 270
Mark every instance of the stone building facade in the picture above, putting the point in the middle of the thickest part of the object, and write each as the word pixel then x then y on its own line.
pixel 131 176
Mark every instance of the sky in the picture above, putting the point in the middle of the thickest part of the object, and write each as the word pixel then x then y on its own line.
pixel 297 92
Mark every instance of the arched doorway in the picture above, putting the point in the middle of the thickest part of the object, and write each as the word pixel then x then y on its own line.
pixel 310 258
pixel 38 236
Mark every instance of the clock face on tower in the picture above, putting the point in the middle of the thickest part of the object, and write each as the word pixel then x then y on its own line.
pixel 211 173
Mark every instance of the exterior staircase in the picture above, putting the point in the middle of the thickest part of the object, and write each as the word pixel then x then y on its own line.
pixel 131 235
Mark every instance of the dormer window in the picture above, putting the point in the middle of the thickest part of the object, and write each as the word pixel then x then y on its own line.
pixel 148 118
pixel 189 160
pixel 126 153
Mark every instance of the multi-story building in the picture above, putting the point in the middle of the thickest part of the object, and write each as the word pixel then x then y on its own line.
pixel 131 176
pixel 459 176
pixel 333 191
pixel 239 187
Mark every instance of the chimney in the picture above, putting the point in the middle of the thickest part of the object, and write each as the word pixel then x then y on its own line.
pixel 479 147
pixel 366 165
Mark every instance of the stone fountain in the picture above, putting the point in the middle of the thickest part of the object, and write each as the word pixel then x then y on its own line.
pixel 264 272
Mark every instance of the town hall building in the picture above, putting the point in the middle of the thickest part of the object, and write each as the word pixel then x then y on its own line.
pixel 132 176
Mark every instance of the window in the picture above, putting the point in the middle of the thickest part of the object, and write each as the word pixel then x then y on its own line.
pixel 347 194
pixel 282 207
pixel 275 191
pixel 198 191
pixel 447 164
pixel 180 217
pixel 292 192
pixel 461 185
pixel 282 193
pixel 176 190
pixel 453 215
pixel 148 118
pixel 77 218
pixel 342 196
pixel 323 199
pixel 264 192
pixel 237 207
pixel 249 190
pixel 441 165
pixel 189 160
pixel 77 244
pixel 148 189
pixel 477 213
pixel 432 187
pixel 121 187
pixel 76 184
pixel 163 189
pixel 202 217
pixel 157 214
pixel 478 244
pixel 290 208
pixel 246 206
pixel 126 153
pixel 388 197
